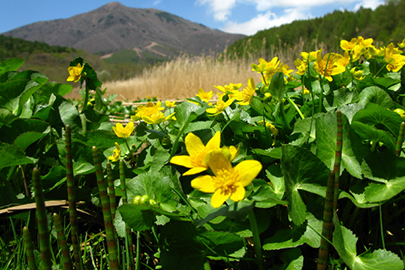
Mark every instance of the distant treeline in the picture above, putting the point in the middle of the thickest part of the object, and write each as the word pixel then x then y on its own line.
pixel 13 47
pixel 385 24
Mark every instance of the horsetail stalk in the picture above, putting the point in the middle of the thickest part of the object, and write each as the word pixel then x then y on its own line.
pixel 29 249
pixel 130 250
pixel 327 224
pixel 72 197
pixel 111 191
pixel 338 157
pixel 105 203
pixel 400 140
pixel 62 242
pixel 42 220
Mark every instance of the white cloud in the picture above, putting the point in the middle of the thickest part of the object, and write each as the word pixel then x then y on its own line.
pixel 220 8
pixel 265 21
pixel 157 2
pixel 373 4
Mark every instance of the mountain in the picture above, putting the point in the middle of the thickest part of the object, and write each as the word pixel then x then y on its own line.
pixel 114 27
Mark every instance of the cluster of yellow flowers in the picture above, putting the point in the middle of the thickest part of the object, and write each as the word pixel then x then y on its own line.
pixel 333 63
pixel 227 182
pixel 152 113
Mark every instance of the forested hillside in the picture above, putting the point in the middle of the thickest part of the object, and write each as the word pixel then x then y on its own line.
pixel 385 24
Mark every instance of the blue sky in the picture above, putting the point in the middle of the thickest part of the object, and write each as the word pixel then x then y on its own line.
pixel 233 16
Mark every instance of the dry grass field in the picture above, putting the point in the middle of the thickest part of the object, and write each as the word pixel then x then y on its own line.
pixel 183 77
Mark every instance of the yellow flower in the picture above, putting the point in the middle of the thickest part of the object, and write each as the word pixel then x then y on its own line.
pixel 75 73
pixel 170 104
pixel 345 60
pixel 395 62
pixel 402 44
pixel 220 106
pixel 116 153
pixel 196 160
pixel 156 118
pixel 205 96
pixel 227 182
pixel 348 45
pixel 268 68
pixel 305 91
pixel 148 110
pixel 328 65
pixel 246 95
pixel 357 74
pixel 302 65
pixel 124 132
pixel 230 89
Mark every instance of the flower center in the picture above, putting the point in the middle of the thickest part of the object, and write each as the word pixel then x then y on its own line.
pixel 226 181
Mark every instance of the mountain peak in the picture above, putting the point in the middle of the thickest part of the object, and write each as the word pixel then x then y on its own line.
pixel 115 27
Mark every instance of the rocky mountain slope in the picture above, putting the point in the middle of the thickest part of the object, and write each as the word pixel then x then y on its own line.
pixel 115 27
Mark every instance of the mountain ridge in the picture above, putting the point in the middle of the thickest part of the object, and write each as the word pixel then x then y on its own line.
pixel 115 27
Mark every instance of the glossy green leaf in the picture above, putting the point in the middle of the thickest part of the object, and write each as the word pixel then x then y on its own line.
pixel 375 115
pixel 298 167
pixel 10 64
pixel 345 241
pixel 292 260
pixel 353 151
pixel 156 186
pixel 297 236
pixel 374 94
pixel 388 172
pixel 12 156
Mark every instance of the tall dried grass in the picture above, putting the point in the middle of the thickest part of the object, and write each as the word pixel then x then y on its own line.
pixel 184 76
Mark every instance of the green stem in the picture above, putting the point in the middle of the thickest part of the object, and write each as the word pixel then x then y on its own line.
pixel 111 191
pixel 138 253
pixel 281 108
pixel 86 96
pixel 296 107
pixel 400 140
pixel 128 236
pixel 70 182
pixel 327 224
pixel 378 72
pixel 44 243
pixel 62 242
pixel 381 227
pixel 338 158
pixel 29 249
pixel 105 204
pixel 256 240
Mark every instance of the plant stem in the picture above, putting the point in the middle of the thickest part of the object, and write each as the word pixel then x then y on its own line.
pixel 44 243
pixel 138 253
pixel 70 182
pixel 128 236
pixel 400 140
pixel 29 249
pixel 105 204
pixel 62 242
pixel 381 227
pixel 256 239
pixel 327 224
pixel 338 158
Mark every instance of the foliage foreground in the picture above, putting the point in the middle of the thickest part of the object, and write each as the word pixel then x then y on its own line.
pixel 299 171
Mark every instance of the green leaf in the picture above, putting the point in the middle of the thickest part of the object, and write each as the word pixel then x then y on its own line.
pixel 11 64
pixel 138 217
pixel 156 186
pixel 307 233
pixel 374 135
pixel 277 86
pixel 292 258
pixel 353 151
pixel 6 117
pixel 374 94
pixel 388 171
pixel 375 115
pixel 69 115
pixel 302 170
pixel 19 126
pixel 12 156
pixel 26 139
pixel 345 241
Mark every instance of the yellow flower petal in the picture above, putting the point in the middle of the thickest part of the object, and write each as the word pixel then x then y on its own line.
pixel 194 144
pixel 182 160
pixel 219 197
pixel 239 194
pixel 195 170
pixel 248 170
pixel 219 162
pixel 204 184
